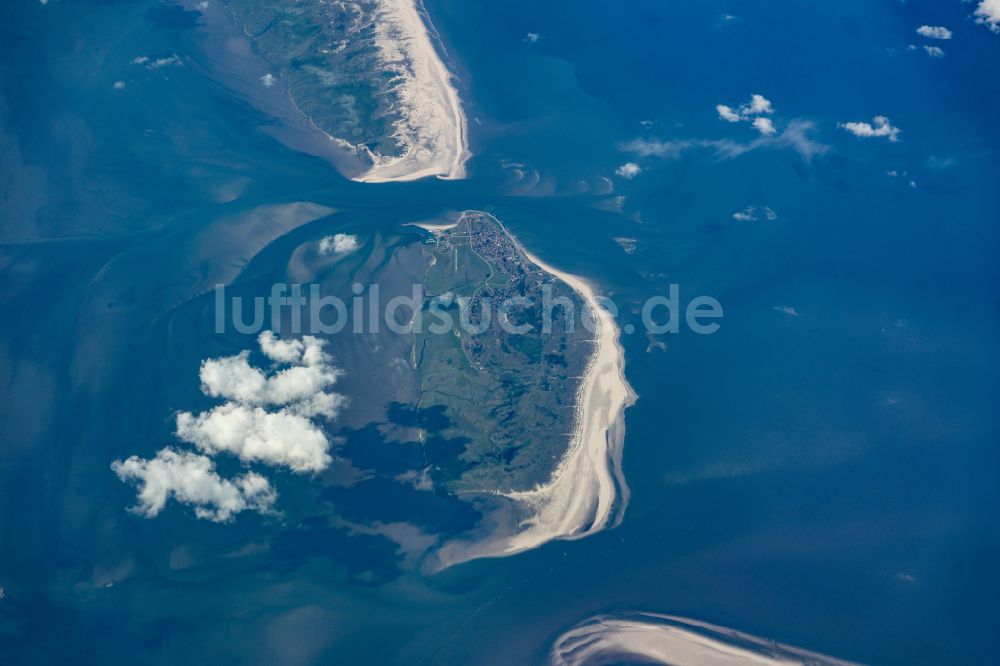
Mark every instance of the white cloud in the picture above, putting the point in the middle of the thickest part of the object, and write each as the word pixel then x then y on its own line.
pixel 667 149
pixel 267 80
pixel 879 127
pixel 243 426
pixel 338 244
pixel 140 60
pixel 256 435
pixel 233 378
pixel 281 351
pixel 934 32
pixel 934 51
pixel 796 136
pixel 119 85
pixel 758 105
pixel 764 125
pixel 749 214
pixel 532 37
pixel 191 479
pixel 988 14
pixel 787 310
pixel 628 171
pixel 169 61
pixel 266 417
pixel 727 113
pixel 754 112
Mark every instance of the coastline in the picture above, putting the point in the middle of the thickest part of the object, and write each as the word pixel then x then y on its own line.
pixel 587 492
pixel 436 136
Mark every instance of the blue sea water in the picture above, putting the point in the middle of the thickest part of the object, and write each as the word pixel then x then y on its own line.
pixel 826 478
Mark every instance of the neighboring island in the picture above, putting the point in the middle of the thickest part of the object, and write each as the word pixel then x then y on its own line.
pixel 366 74
pixel 531 416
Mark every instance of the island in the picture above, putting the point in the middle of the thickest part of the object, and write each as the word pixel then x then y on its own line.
pixel 368 76
pixel 522 397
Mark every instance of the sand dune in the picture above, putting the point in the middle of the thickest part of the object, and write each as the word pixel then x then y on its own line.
pixel 433 127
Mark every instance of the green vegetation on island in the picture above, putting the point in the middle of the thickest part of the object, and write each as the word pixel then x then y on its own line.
pixel 327 56
pixel 497 401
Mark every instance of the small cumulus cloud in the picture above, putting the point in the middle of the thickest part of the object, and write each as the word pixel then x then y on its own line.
pixel 244 426
pixel 254 434
pixel 934 32
pixel 764 125
pixel 119 85
pixel 267 417
pixel 988 14
pixel 168 61
pixel 727 113
pixel 934 51
pixel 796 135
pixel 191 479
pixel 786 310
pixel 532 38
pixel 758 105
pixel 267 80
pixel 753 112
pixel 628 171
pixel 338 244
pixel 753 213
pixel 879 127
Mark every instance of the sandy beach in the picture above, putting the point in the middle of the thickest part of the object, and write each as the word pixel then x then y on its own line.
pixel 587 492
pixel 433 129
pixel 668 639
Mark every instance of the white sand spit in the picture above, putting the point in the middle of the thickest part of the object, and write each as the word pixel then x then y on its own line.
pixel 666 639
pixel 433 128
